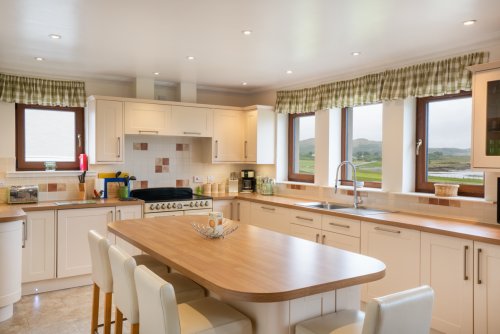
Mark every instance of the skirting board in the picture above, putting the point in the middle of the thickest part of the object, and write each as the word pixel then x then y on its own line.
pixel 32 288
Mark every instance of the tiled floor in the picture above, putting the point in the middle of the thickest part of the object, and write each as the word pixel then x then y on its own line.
pixel 58 312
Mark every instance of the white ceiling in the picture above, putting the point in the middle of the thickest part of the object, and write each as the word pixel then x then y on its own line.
pixel 124 39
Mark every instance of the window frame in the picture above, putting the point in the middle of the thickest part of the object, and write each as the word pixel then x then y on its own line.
pixel 421 185
pixel 22 164
pixel 292 176
pixel 344 182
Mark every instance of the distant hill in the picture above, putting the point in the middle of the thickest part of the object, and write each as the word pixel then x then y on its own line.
pixel 372 146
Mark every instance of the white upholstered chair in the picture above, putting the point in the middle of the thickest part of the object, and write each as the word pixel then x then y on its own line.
pixel 125 296
pixel 160 314
pixel 407 312
pixel 103 280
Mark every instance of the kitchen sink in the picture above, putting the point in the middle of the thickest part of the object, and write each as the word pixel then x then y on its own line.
pixel 342 208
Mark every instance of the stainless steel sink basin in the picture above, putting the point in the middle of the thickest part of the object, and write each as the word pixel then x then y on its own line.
pixel 342 208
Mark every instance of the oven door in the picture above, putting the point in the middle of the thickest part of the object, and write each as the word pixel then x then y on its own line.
pixel 203 212
pixel 163 214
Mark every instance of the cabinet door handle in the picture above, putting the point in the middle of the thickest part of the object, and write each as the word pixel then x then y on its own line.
pixel 323 239
pixel 119 147
pixel 149 131
pixel 479 280
pixel 112 215
pixel 266 208
pixel 216 149
pixel 304 218
pixel 246 143
pixel 118 214
pixel 466 251
pixel 231 213
pixel 387 230
pixel 239 207
pixel 317 237
pixel 25 232
pixel 192 133
pixel 340 225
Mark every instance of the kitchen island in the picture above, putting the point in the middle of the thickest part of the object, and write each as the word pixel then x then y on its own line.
pixel 276 279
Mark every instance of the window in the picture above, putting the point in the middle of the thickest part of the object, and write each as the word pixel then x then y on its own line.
pixel 362 143
pixel 444 130
pixel 48 134
pixel 301 147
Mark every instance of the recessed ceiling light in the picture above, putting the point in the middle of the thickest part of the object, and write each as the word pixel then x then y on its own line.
pixel 54 36
pixel 469 22
pixel 190 57
pixel 246 32
pixel 244 83
pixel 39 58
pixel 156 73
pixel 289 72
pixel 355 53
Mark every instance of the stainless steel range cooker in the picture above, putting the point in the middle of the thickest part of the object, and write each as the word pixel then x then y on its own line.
pixel 170 201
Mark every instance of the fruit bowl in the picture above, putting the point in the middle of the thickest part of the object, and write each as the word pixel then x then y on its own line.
pixel 217 232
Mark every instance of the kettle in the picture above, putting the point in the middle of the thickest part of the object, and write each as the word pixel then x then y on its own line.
pixel 267 186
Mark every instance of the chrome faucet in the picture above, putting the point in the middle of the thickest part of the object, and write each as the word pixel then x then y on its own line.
pixel 354 180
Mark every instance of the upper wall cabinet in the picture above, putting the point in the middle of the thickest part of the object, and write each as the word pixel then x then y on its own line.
pixel 105 133
pixel 147 118
pixel 191 121
pixel 260 135
pixel 486 119
pixel 228 137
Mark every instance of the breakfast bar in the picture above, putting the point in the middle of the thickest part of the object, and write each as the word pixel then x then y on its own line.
pixel 275 279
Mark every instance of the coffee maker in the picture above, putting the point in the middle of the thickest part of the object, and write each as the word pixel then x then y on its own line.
pixel 247 181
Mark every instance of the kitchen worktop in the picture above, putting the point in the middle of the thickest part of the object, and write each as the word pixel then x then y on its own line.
pixel 488 233
pixel 10 212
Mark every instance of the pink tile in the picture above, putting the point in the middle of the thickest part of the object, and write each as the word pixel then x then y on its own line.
pixel 423 200
pixel 158 169
pixel 61 187
pixel 137 146
pixel 165 169
pixel 444 202
pixel 144 146
pixel 455 204
pixel 433 201
pixel 158 161
pixel 51 187
pixel 42 187
pixel 179 147
pixel 165 162
pixel 185 147
pixel 144 184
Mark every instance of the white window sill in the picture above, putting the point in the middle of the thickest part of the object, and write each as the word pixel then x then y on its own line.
pixel 56 173
pixel 457 198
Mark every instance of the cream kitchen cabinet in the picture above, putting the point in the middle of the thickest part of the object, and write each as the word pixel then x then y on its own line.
pixel 105 131
pixel 259 137
pixel 228 136
pixel 270 217
pixel 73 254
pixel 241 211
pixel 399 249
pixel 224 206
pixel 486 288
pixel 447 266
pixel 39 252
pixel 486 116
pixel 123 213
pixel 191 121
pixel 147 118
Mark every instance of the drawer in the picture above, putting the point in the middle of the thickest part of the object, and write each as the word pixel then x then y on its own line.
pixel 304 232
pixel 305 218
pixel 341 225
pixel 341 241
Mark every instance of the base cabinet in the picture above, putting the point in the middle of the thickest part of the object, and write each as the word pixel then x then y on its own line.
pixel 270 217
pixel 486 288
pixel 399 249
pixel 241 211
pixel 447 266
pixel 224 206
pixel 123 213
pixel 73 254
pixel 39 252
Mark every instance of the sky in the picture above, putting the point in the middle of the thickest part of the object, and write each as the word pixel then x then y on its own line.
pixel 449 123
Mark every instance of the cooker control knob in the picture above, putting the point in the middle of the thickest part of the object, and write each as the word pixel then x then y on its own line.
pixel 152 207
pixel 179 206
pixel 168 205
pixel 157 206
pixel 191 204
pixel 196 204
pixel 163 206
pixel 206 203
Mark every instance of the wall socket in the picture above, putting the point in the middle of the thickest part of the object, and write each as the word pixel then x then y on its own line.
pixel 197 179
pixel 210 179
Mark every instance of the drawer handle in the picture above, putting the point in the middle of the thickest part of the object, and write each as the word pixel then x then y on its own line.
pixel 266 208
pixel 304 218
pixel 317 237
pixel 466 250
pixel 25 232
pixel 339 225
pixel 387 230
pixel 149 131
pixel 323 239
pixel 479 280
pixel 192 133
pixel 216 149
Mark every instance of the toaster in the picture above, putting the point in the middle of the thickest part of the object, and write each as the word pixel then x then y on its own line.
pixel 22 194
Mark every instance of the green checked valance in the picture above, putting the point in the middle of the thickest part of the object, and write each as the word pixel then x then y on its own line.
pixel 429 79
pixel 15 89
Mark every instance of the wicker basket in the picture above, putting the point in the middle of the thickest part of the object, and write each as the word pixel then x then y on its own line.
pixel 445 190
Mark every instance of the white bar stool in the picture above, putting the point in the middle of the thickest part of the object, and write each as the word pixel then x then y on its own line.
pixel 122 268
pixel 160 314
pixel 407 312
pixel 103 280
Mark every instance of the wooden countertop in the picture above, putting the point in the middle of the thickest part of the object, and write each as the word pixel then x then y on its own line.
pixel 477 231
pixel 251 264
pixel 10 212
